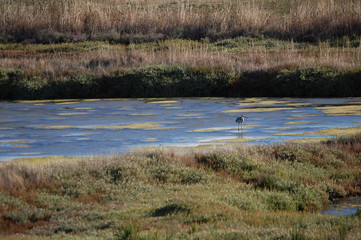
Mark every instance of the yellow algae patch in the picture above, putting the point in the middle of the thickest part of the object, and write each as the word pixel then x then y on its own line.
pixel 165 101
pixel 151 140
pixel 261 101
pixel 67 102
pixel 144 125
pixel 337 131
pixel 82 108
pixel 74 113
pixel 243 110
pixel 125 109
pixel 20 146
pixel 173 107
pixel 187 115
pixel 297 123
pixel 288 134
pixel 104 99
pixel 231 140
pixel 298 104
pixel 211 98
pixel 30 154
pixel 341 110
pixel 304 115
pixel 210 129
pixel 143 114
pixel 14 142
pixel 164 105
pixel 47 101
pixel 297 111
pixel 56 127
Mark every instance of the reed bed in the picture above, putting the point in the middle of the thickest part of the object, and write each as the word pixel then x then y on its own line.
pixel 100 58
pixel 73 20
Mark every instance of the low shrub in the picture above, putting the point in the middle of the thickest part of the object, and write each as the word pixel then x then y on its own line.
pixel 182 81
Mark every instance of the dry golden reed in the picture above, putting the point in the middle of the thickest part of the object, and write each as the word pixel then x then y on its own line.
pixel 303 20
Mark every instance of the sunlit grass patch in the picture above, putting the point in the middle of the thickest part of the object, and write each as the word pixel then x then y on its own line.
pixel 45 160
pixel 336 131
pixel 270 109
pixel 341 110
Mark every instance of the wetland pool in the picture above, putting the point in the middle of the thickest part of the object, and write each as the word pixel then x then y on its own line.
pixel 88 127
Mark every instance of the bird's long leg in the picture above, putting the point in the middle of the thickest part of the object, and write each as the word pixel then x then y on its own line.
pixel 238 127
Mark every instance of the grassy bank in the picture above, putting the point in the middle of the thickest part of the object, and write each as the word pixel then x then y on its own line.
pixel 178 81
pixel 256 192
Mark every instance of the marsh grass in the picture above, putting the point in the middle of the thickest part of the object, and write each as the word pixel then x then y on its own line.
pixel 265 48
pixel 141 21
pixel 258 192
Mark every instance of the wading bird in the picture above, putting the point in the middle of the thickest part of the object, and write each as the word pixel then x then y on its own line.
pixel 240 120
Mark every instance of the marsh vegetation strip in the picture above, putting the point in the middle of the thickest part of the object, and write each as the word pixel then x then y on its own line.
pixel 243 192
pixel 85 127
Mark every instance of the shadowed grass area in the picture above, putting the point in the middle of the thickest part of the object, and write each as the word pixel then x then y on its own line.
pixel 253 192
pixel 181 81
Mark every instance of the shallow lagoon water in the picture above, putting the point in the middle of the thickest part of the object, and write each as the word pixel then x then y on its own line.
pixel 343 207
pixel 94 127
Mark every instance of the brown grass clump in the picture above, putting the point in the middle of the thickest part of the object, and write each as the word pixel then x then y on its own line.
pixel 21 179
